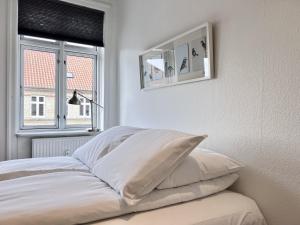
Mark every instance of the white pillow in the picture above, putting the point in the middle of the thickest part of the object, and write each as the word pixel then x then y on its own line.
pixel 200 165
pixel 103 143
pixel 143 161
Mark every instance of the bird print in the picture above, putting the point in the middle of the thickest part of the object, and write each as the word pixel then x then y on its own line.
pixel 194 52
pixel 183 64
pixel 203 45
pixel 170 68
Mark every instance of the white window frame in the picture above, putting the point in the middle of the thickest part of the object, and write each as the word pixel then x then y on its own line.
pixel 37 103
pixel 96 54
pixel 62 50
pixel 30 45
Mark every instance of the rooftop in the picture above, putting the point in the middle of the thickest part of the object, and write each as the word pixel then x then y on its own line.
pixel 39 71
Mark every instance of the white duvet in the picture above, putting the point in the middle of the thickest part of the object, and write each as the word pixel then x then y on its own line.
pixel 26 167
pixel 63 198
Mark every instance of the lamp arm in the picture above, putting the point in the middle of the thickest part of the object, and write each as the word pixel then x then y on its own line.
pixel 90 100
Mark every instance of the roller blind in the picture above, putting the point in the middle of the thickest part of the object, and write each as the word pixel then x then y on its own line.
pixel 60 20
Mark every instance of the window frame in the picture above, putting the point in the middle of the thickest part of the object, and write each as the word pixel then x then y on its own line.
pixel 37 103
pixel 73 51
pixel 62 50
pixel 21 89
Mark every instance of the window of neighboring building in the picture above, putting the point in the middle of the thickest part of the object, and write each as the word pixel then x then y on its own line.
pixel 84 109
pixel 37 106
pixel 70 75
pixel 50 71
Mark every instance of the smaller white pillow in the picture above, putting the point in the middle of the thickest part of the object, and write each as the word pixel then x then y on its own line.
pixel 103 143
pixel 143 161
pixel 200 165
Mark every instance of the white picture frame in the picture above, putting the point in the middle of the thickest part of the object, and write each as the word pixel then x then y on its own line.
pixel 195 45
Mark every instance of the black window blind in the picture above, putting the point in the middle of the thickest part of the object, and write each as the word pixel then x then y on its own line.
pixel 60 20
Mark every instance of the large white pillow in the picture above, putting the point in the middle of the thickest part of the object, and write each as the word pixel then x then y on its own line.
pixel 103 143
pixel 144 160
pixel 200 165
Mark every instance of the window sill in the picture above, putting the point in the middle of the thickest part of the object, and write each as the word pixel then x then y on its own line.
pixel 56 133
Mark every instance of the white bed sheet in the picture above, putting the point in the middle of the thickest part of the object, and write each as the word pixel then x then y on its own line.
pixel 67 198
pixel 224 208
pixel 26 167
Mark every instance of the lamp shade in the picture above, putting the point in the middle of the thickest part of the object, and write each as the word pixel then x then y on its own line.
pixel 74 100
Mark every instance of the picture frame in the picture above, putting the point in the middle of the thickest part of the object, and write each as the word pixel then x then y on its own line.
pixel 183 59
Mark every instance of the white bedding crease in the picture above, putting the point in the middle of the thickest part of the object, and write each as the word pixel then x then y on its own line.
pixel 26 167
pixel 103 143
pixel 201 164
pixel 67 198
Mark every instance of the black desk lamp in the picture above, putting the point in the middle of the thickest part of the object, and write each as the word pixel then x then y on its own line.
pixel 75 101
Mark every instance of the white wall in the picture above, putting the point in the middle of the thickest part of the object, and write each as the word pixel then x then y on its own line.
pixel 3 21
pixel 250 111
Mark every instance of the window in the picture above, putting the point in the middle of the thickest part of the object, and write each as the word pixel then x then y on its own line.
pixel 39 73
pixel 70 75
pixel 49 73
pixel 84 66
pixel 84 109
pixel 37 106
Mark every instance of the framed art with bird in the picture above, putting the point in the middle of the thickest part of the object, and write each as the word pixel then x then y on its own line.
pixel 186 58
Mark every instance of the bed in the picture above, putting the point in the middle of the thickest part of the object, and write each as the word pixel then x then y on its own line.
pixel 127 176
pixel 78 197
pixel 224 208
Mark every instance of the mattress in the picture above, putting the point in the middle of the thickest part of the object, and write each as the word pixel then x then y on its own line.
pixel 224 208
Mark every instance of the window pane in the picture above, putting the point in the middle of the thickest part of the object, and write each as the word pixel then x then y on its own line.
pixel 39 39
pixel 81 110
pixel 82 69
pixel 39 73
pixel 80 45
pixel 41 110
pixel 41 99
pixel 87 110
pixel 33 110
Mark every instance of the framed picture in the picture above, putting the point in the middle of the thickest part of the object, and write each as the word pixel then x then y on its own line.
pixel 153 69
pixel 169 64
pixel 198 48
pixel 183 59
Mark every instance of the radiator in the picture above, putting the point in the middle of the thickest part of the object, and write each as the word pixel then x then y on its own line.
pixel 63 146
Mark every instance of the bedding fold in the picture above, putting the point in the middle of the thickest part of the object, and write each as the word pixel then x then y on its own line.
pixel 27 167
pixel 103 143
pixel 201 164
pixel 67 198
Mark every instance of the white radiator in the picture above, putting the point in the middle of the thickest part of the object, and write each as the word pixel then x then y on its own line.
pixel 63 146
